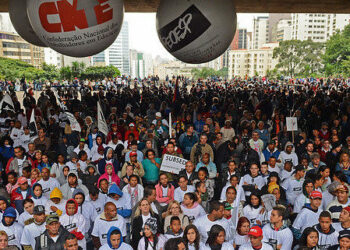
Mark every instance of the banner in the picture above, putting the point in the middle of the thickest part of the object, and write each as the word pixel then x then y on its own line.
pixel 74 124
pixel 32 125
pixel 101 122
pixel 172 164
pixel 7 103
pixel 58 99
pixel 292 123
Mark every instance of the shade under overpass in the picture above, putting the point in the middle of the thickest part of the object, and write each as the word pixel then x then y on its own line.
pixel 248 6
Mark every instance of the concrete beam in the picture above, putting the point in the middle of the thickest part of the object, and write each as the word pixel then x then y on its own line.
pixel 245 6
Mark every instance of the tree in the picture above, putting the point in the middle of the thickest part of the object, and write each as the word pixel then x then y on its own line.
pixel 66 73
pixel 337 54
pixel 299 58
pixel 50 72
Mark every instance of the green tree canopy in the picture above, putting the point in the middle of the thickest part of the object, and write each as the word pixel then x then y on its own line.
pixel 337 55
pixel 299 58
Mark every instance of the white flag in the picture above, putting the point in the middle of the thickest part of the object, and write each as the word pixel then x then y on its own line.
pixel 58 99
pixel 74 124
pixel 236 203
pixel 101 122
pixel 7 103
pixel 32 124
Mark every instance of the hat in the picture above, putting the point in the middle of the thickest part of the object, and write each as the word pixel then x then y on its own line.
pixel 158 114
pixel 255 231
pixel 82 140
pixel 132 153
pixel 52 218
pixel 228 206
pixel 40 209
pixel 113 125
pixel 10 212
pixel 344 233
pixel 272 186
pixel 272 142
pixel 152 224
pixel 22 180
pixel 342 188
pixel 347 208
pixel 132 124
pixel 316 195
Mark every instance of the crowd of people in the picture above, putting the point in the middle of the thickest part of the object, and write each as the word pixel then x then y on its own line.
pixel 247 182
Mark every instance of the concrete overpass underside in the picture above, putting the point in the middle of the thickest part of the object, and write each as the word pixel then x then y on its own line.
pixel 248 6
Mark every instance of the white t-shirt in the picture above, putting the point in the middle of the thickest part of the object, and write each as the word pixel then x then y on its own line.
pixel 101 227
pixel 204 225
pixel 123 246
pixel 179 193
pixel 48 186
pixel 14 233
pixel 193 213
pixel 248 246
pixel 30 232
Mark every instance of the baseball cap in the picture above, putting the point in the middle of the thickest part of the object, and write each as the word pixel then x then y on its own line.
pixel 132 124
pixel 316 195
pixel 228 206
pixel 40 209
pixel 347 208
pixel 158 114
pixel 344 233
pixel 114 125
pixel 52 218
pixel 22 180
pixel 342 188
pixel 255 231
pixel 82 140
pixel 132 153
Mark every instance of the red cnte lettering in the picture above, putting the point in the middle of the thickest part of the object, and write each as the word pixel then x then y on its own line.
pixel 71 17
pixel 46 9
pixel 102 15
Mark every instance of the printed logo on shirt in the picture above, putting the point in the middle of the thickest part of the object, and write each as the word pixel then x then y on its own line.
pixel 11 237
pixel 325 247
pixel 297 189
pixel 104 236
pixel 273 243
pixel 98 209
pixel 191 218
pixel 70 226
pixel 45 190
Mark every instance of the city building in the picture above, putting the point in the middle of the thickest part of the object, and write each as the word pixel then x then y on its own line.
pixel 67 61
pixel 284 30
pixel 260 32
pixel 141 64
pixel 52 57
pixel 176 68
pixel 5 23
pixel 240 41
pixel 274 19
pixel 117 54
pixel 14 47
pixel 317 27
pixel 252 62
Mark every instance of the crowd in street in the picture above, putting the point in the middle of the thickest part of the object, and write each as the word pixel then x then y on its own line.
pixel 77 179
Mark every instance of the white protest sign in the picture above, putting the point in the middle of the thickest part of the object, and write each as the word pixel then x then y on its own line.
pixel 269 201
pixel 172 164
pixel 292 123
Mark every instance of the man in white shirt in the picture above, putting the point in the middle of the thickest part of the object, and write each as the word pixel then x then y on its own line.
pixel 182 189
pixel 256 236
pixel 104 222
pixel 47 183
pixel 34 228
pixel 215 216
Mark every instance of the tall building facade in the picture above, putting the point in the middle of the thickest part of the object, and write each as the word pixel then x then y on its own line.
pixel 260 32
pixel 118 53
pixel 317 27
pixel 252 62
pixel 283 30
pixel 14 47
pixel 274 19
pixel 240 41
pixel 52 57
